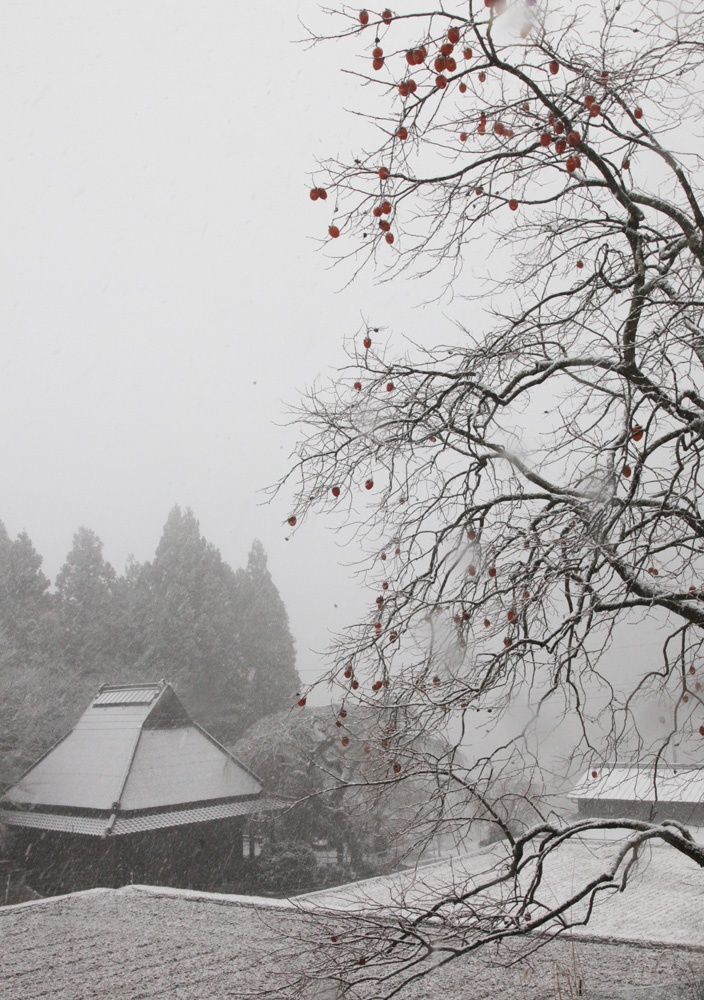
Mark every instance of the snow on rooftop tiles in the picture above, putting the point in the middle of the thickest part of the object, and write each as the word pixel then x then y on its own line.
pixel 142 694
pixel 133 752
pixel 667 783
pixel 663 902
pixel 143 942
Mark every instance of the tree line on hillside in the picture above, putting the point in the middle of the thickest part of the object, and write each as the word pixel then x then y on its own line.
pixel 221 636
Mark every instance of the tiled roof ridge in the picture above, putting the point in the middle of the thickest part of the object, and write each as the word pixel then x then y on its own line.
pixel 140 684
pixel 122 694
pixel 200 896
pixel 45 900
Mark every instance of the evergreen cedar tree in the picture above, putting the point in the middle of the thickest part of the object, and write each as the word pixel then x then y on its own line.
pixel 221 636
pixel 24 598
pixel 87 606
pixel 537 480
pixel 265 639
pixel 29 694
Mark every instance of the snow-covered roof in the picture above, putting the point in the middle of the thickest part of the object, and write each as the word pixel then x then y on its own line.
pixel 134 761
pixel 148 942
pixel 661 904
pixel 624 783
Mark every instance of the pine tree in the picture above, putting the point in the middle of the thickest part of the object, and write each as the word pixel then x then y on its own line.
pixel 267 645
pixel 88 609
pixel 25 603
pixel 31 693
pixel 191 624
pixel 134 598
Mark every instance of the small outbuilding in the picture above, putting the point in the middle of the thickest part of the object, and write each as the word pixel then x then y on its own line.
pixel 643 792
pixel 135 792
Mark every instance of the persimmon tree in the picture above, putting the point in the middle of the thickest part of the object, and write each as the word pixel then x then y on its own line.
pixel 527 490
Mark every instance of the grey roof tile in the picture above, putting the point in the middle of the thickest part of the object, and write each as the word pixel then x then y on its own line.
pixel 153 944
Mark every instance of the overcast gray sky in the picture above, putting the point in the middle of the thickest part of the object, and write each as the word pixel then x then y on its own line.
pixel 163 291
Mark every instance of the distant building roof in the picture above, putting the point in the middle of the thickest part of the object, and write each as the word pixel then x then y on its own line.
pixel 134 761
pixel 662 902
pixel 629 783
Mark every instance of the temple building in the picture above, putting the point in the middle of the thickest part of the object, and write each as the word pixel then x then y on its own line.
pixel 669 791
pixel 136 792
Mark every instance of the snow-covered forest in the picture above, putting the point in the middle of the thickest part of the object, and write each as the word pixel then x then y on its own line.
pixel 220 635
